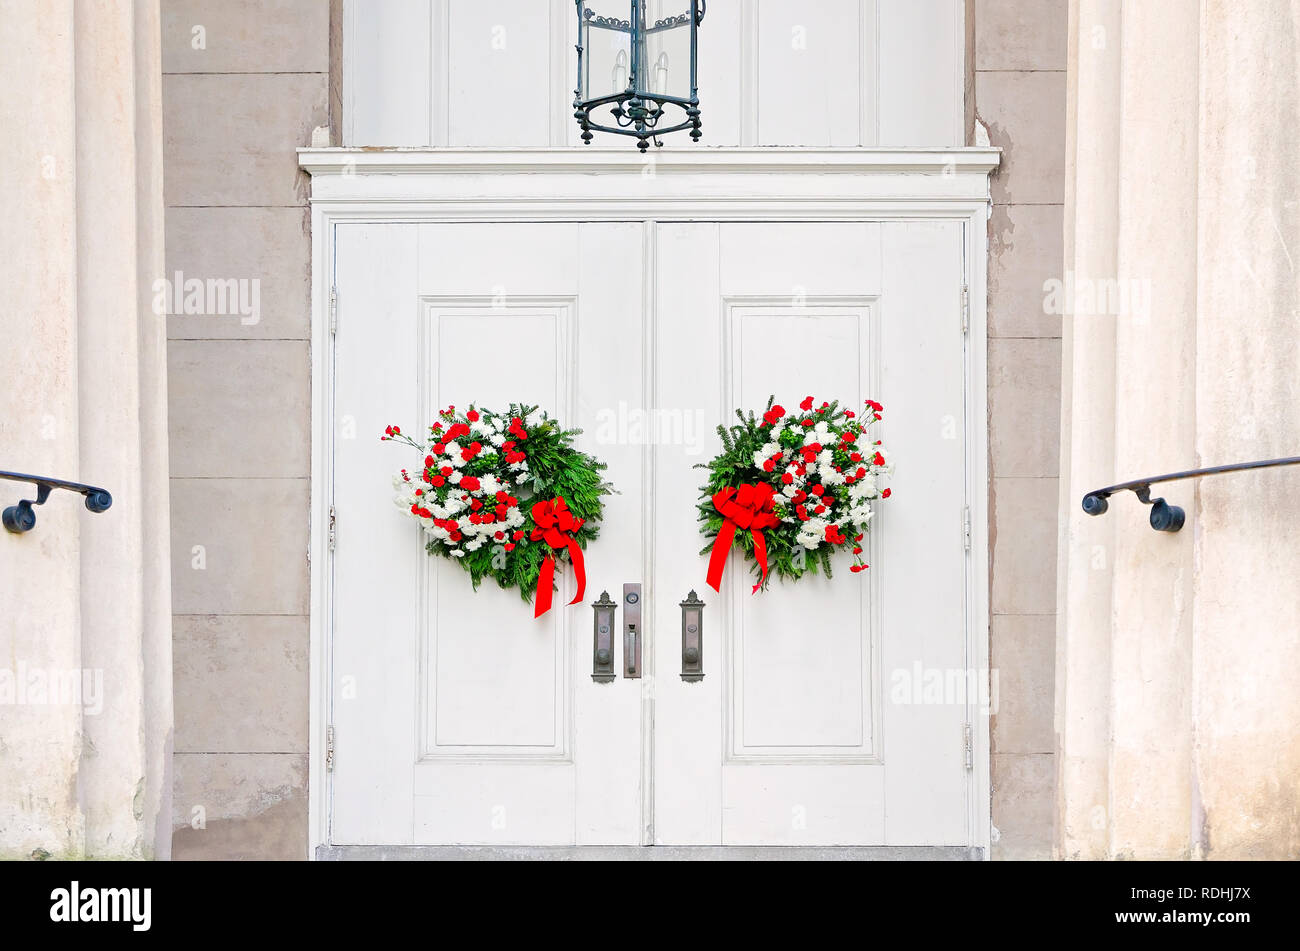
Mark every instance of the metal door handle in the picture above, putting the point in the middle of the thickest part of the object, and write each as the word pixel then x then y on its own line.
pixel 692 639
pixel 631 627
pixel 603 640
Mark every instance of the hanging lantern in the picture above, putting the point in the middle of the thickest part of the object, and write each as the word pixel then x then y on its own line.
pixel 636 76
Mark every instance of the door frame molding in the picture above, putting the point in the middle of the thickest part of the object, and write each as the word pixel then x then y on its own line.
pixel 594 184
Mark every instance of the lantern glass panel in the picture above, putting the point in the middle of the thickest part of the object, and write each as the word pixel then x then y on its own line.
pixel 607 50
pixel 668 55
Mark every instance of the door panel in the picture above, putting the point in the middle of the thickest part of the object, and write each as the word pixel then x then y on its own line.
pixel 793 737
pixel 459 718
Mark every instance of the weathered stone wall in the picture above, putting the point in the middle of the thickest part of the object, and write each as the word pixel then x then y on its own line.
pixel 1019 102
pixel 244 84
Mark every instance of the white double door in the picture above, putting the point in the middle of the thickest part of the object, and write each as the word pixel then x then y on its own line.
pixel 459 719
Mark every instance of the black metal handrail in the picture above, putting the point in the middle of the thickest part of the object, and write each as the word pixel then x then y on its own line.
pixel 20 518
pixel 1166 517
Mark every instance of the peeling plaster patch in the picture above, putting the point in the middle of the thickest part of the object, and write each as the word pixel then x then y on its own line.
pixel 278 833
pixel 996 135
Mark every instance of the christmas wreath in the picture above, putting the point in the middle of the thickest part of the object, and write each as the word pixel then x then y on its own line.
pixel 506 495
pixel 792 489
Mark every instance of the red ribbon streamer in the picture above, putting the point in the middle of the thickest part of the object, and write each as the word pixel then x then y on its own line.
pixel 751 508
pixel 556 526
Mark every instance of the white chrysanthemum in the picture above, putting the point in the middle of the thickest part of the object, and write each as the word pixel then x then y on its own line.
pixel 770 450
pixel 825 457
pixel 810 437
pixel 457 553
pixel 822 429
pixel 455 478
pixel 759 459
pixel 523 477
pixel 861 515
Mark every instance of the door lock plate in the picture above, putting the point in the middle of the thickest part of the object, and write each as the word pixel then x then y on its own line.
pixel 632 631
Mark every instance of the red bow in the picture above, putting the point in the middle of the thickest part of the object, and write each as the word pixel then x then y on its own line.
pixel 749 507
pixel 556 526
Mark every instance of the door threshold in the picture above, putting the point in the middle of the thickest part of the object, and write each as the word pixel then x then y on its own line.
pixel 632 853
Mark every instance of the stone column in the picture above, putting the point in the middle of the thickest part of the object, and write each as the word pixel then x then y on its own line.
pixel 1246 769
pixel 1174 719
pixel 87 595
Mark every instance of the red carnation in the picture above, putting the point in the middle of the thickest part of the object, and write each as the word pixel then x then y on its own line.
pixel 787 479
pixel 879 460
pixel 472 416
pixel 470 483
pixel 818 490
pixel 806 404
pixel 437 482
pixel 887 493
pixel 769 466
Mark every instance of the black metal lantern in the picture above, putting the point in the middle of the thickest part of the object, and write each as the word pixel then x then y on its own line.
pixel 637 77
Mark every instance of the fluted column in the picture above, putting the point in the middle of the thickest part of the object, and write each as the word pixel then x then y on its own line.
pixel 90 593
pixel 1246 777
pixel 1176 653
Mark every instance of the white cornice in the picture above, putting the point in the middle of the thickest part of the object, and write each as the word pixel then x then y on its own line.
pixel 608 184
pixel 595 161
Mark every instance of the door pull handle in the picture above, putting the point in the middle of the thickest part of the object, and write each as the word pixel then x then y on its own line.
pixel 692 639
pixel 632 642
pixel 602 670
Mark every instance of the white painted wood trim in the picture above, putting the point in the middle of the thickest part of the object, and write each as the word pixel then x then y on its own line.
pixel 558 184
pixel 960 163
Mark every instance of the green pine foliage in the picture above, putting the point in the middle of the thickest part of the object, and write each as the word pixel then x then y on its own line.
pixel 556 469
pixel 734 466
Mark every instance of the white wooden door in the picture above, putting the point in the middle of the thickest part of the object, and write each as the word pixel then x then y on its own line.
pixel 806 729
pixel 460 719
